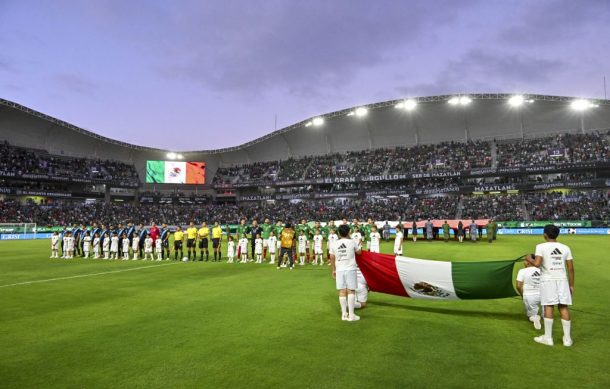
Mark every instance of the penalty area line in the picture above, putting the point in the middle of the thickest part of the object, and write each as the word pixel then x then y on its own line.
pixel 86 275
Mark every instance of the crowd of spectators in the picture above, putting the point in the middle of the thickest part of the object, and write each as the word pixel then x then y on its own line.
pixel 575 205
pixel 22 161
pixel 559 149
pixel 499 207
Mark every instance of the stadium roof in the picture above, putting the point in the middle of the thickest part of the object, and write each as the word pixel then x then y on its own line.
pixel 433 119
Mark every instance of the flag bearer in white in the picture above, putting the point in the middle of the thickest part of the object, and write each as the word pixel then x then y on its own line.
pixel 398 240
pixel 343 262
pixel 54 245
pixel 528 285
pixel 556 285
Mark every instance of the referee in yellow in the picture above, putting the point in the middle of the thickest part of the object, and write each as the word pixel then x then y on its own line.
pixel 178 238
pixel 202 235
pixel 216 236
pixel 191 236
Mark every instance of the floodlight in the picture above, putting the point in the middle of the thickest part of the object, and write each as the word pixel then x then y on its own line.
pixel 351 113
pixel 179 156
pixel 581 105
pixel 410 104
pixel 400 105
pixel 318 121
pixel 453 101
pixel 516 100
pixel 362 111
pixel 465 100
pixel 308 124
pixel 171 155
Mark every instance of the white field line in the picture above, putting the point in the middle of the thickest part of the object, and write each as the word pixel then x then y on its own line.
pixel 86 275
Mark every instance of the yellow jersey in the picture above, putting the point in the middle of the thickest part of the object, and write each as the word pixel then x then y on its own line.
pixel 191 233
pixel 178 235
pixel 216 232
pixel 287 238
pixel 203 232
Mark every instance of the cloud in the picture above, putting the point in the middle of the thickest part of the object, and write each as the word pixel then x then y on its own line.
pixel 291 46
pixel 75 83
pixel 553 22
pixel 481 70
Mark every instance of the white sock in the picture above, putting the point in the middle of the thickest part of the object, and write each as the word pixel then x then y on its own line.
pixel 357 305
pixel 567 325
pixel 351 300
pixel 548 328
pixel 343 302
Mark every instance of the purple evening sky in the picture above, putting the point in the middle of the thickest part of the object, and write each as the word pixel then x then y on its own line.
pixel 190 74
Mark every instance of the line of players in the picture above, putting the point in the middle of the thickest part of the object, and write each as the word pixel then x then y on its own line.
pixel 264 239
pixel 130 242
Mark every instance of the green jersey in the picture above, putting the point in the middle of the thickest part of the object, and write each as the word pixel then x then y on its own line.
pixel 267 228
pixel 278 230
pixel 242 229
pixel 446 229
pixel 303 228
pixel 366 232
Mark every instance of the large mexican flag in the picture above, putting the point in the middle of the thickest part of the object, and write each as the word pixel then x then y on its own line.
pixel 437 280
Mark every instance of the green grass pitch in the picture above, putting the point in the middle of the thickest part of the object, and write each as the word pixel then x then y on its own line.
pixel 245 325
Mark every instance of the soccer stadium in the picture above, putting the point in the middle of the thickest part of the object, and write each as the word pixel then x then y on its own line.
pixel 454 240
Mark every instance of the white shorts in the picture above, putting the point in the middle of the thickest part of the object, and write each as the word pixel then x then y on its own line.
pixel 374 248
pixel 148 250
pixel 302 250
pixel 346 279
pixel 258 252
pixel 553 292
pixel 318 250
pixel 272 250
pixel 265 242
pixel 531 303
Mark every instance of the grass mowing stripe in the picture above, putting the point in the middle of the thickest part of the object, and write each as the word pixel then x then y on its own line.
pixel 86 275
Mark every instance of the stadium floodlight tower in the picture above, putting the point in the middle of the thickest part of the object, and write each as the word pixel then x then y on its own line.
pixel 517 102
pixel 462 101
pixel 581 106
pixel 409 105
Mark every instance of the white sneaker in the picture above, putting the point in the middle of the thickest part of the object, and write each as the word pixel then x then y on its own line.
pixel 353 318
pixel 567 342
pixel 543 340
pixel 536 322
pixel 345 316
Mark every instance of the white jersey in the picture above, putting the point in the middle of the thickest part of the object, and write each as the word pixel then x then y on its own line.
pixel 375 239
pixel 54 242
pixel 125 245
pixel 65 241
pixel 357 238
pixel 87 243
pixel 317 241
pixel 158 245
pixel 106 244
pixel 398 242
pixel 135 243
pixel 258 246
pixel 70 243
pixel 243 245
pixel 302 242
pixel 231 249
pixel 272 244
pixel 332 238
pixel 148 244
pixel 96 244
pixel 554 256
pixel 530 276
pixel 114 244
pixel 344 251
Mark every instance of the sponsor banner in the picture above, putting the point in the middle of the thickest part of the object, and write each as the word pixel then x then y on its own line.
pixel 478 172
pixel 449 189
pixel 47 177
pixel 542 223
pixel 24 236
pixel 564 231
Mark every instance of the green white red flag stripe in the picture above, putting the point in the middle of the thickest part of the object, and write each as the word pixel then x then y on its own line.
pixel 437 280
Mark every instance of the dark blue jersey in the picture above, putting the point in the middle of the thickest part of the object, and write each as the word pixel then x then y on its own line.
pixel 164 234
pixel 130 231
